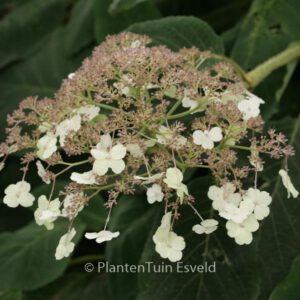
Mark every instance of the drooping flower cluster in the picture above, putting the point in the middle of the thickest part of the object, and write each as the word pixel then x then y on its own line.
pixel 137 116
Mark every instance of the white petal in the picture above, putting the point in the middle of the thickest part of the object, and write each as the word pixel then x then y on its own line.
pixel 288 184
pixel 215 134
pixel 118 152
pixel 100 166
pixel 117 165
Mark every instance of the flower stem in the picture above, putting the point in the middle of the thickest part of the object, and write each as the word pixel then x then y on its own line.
pixel 257 75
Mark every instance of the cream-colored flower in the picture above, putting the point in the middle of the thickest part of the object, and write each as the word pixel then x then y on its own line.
pixel 286 180
pixel 18 194
pixel 108 156
pixel 65 246
pixel 207 138
pixel 173 180
pixel 46 146
pixel 102 236
pixel 47 212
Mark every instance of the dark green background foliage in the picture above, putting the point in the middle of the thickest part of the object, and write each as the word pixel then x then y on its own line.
pixel 43 41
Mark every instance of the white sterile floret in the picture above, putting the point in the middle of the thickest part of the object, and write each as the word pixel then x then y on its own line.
pixel 223 195
pixel 242 232
pixel 65 246
pixel 286 181
pixel 42 172
pixel 237 213
pixel 102 236
pixel 206 226
pixel 135 150
pixel 67 126
pixel 187 102
pixel 84 178
pixel 166 137
pixel 249 107
pixel 167 243
pixel 88 112
pixel 173 180
pixel 150 179
pixel 18 194
pixel 71 75
pixel 47 212
pixel 108 156
pixel 46 146
pixel 154 193
pixel 261 201
pixel 207 138
pixel 69 202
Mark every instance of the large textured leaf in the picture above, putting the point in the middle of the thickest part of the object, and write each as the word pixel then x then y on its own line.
pixel 119 5
pixel 133 217
pixel 73 286
pixel 39 76
pixel 25 29
pixel 80 29
pixel 27 256
pixel 289 287
pixel 11 295
pixel 109 24
pixel 179 32
pixel 267 29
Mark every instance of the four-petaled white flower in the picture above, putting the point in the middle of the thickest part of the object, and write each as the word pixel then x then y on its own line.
pixel 242 232
pixel 149 179
pixel 207 138
pixel 66 127
pixel 154 193
pixel 84 178
pixel 249 107
pixel 167 243
pixel 173 180
pixel 42 172
pixel 65 246
pixel 261 201
pixel 108 156
pixel 88 112
pixel 47 212
pixel 46 146
pixel 187 102
pixel 206 226
pixel 288 184
pixel 102 236
pixel 236 213
pixel 223 195
pixel 18 194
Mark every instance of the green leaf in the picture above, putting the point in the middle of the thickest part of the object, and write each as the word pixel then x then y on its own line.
pixel 26 28
pixel 269 27
pixel 133 217
pixel 120 5
pixel 109 24
pixel 11 295
pixel 80 29
pixel 94 214
pixel 73 286
pixel 40 75
pixel 179 32
pixel 289 287
pixel 27 256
